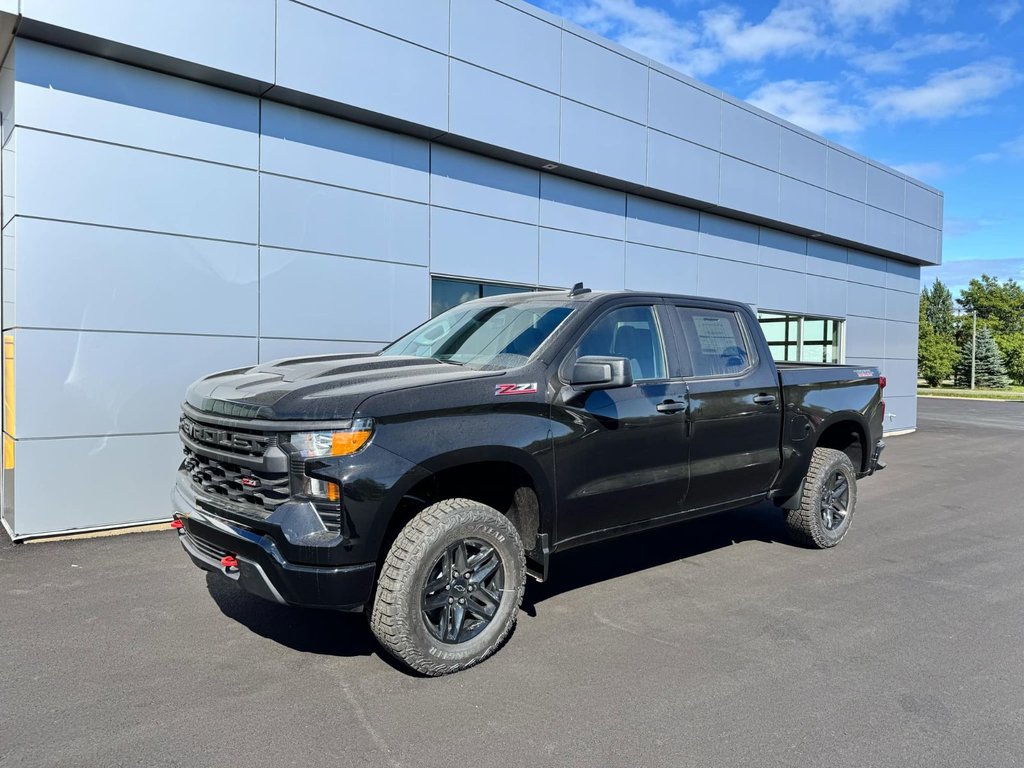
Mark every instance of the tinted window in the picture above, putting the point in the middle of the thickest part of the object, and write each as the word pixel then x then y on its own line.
pixel 714 341
pixel 632 333
pixel 445 293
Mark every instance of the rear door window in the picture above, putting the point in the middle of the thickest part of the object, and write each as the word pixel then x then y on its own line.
pixel 715 342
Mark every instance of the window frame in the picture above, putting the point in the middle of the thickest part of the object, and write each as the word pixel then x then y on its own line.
pixel 656 308
pixel 787 316
pixel 480 284
pixel 753 350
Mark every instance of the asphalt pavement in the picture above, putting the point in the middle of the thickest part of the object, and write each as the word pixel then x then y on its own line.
pixel 711 643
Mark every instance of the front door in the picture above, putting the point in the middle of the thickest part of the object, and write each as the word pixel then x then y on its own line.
pixel 621 454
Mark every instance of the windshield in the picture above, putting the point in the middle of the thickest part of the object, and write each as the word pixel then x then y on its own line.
pixel 490 336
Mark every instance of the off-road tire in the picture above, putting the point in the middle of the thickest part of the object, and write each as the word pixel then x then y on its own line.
pixel 806 523
pixel 396 616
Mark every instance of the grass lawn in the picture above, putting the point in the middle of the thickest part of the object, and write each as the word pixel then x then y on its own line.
pixel 1012 393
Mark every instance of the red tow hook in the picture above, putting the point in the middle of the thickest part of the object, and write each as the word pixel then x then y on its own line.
pixel 229 561
pixel 177 524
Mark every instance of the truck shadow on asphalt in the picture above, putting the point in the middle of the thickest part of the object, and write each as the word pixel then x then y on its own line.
pixel 347 634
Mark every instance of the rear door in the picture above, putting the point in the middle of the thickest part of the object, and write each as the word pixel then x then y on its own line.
pixel 734 408
pixel 621 454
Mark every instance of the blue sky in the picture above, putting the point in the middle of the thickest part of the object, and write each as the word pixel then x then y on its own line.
pixel 935 89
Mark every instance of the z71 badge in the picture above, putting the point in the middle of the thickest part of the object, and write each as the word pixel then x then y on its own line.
pixel 515 389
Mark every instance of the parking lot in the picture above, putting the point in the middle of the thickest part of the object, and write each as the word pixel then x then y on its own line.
pixel 714 642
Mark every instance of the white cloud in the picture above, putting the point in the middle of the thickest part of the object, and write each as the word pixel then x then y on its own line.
pixel 875 13
pixel 645 29
pixel 928 171
pixel 786 29
pixel 951 92
pixel 1015 147
pixel 1004 11
pixel 814 105
pixel 908 49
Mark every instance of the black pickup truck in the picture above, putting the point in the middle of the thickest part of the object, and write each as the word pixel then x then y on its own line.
pixel 425 482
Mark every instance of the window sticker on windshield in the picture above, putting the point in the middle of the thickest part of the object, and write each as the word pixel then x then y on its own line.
pixel 515 389
pixel 715 334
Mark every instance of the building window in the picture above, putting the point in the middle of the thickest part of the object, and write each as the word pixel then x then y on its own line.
pixel 446 293
pixel 802 339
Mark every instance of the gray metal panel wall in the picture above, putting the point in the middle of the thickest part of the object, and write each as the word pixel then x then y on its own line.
pixel 224 230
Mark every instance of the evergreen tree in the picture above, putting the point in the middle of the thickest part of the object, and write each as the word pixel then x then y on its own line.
pixel 989 372
pixel 939 308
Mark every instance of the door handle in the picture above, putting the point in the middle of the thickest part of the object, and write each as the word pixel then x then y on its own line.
pixel 764 399
pixel 671 406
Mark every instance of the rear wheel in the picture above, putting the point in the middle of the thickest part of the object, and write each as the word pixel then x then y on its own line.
pixel 828 501
pixel 450 588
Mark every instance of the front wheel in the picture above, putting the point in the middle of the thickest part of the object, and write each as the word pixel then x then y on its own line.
pixel 450 588
pixel 828 500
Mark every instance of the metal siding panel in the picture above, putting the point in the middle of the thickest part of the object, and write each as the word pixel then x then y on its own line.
pixel 599 77
pixel 163 283
pixel 885 190
pixel 801 204
pixel 902 306
pixel 602 143
pixel 782 250
pixel 308 145
pixel 900 413
pixel 826 296
pixel 884 230
pixel 506 40
pixel 325 56
pixel 106 184
pixel 827 259
pixel 312 296
pixel 803 158
pixel 922 205
pixel 722 279
pixel 922 242
pixel 866 300
pixel 658 269
pixel 685 111
pixel 750 137
pixel 781 289
pixel 748 188
pixel 282 349
pixel 306 216
pixel 234 36
pixel 482 247
pixel 144 465
pixel 865 336
pixel 661 224
pixel 578 207
pixel 847 175
pixel 477 184
pixel 901 340
pixel 866 267
pixel 682 167
pixel 901 378
pixel 845 218
pixel 728 238
pixel 901 276
pixel 67 92
pixel 503 112
pixel 66 385
pixel 424 22
pixel 568 257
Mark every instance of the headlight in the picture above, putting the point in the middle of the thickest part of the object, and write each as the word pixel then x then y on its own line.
pixel 327 443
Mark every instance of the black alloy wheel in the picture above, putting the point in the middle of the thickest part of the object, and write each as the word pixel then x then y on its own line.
pixel 835 501
pixel 463 591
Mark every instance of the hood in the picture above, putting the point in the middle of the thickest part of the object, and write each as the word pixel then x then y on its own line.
pixel 317 388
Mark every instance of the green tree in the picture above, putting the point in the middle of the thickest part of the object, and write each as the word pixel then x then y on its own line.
pixel 939 308
pixel 936 353
pixel 1011 346
pixel 989 373
pixel 999 304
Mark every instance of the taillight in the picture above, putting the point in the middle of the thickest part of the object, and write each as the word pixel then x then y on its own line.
pixel 882 403
pixel 881 382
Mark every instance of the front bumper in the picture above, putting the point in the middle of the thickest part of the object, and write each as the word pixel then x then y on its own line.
pixel 260 567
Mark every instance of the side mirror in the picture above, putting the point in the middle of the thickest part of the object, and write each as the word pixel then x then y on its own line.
pixel 599 372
